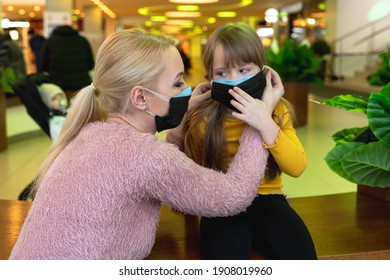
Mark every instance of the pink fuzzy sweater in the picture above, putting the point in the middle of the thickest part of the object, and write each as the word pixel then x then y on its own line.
pixel 101 197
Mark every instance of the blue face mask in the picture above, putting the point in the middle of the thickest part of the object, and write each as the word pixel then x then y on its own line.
pixel 177 108
pixel 235 82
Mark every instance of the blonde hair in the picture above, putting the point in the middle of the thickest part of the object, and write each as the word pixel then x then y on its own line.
pixel 125 59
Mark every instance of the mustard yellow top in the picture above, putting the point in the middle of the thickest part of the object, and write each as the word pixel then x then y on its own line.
pixel 287 151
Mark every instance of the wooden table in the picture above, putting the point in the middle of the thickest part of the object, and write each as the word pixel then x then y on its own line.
pixel 12 216
pixel 343 226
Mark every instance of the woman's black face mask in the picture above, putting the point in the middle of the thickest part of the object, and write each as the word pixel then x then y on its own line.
pixel 254 86
pixel 178 106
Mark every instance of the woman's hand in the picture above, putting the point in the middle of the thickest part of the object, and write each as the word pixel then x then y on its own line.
pixel 200 93
pixel 274 89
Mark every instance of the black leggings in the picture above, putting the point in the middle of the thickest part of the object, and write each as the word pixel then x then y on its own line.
pixel 269 226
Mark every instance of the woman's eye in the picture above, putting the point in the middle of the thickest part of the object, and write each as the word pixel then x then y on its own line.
pixel 180 84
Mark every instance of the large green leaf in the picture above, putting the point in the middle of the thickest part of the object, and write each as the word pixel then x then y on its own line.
pixel 378 113
pixel 368 164
pixel 366 136
pixel 335 157
pixel 348 134
pixel 349 102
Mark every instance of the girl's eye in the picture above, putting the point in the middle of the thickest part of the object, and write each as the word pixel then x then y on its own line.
pixel 243 71
pixel 221 74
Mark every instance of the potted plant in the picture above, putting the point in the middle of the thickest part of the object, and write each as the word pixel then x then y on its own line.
pixel 322 49
pixel 362 155
pixel 297 65
pixel 7 78
pixel 382 75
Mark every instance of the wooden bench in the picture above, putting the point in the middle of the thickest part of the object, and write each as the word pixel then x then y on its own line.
pixel 343 226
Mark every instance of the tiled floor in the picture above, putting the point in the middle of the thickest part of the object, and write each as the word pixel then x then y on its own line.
pixel 19 163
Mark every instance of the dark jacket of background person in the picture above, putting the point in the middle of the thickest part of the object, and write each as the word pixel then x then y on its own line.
pixel 36 43
pixel 11 55
pixel 68 58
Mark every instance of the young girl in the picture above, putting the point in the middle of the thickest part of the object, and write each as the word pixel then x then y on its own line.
pixel 234 58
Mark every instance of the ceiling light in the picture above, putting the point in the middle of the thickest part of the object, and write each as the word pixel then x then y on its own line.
pixel 187 8
pixel 143 11
pixel 310 21
pixel 179 22
pixel 6 23
pixel 271 15
pixel 245 3
pixel 158 18
pixel 170 28
pixel 194 1
pixel 187 26
pixel 104 8
pixel 182 14
pixel 226 14
pixel 211 20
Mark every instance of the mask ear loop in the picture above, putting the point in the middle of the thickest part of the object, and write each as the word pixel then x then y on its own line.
pixel 147 111
pixel 163 97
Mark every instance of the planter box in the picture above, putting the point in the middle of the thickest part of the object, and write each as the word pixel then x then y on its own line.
pixel 379 193
pixel 297 94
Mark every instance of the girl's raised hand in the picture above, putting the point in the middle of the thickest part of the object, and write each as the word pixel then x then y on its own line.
pixel 252 111
pixel 274 89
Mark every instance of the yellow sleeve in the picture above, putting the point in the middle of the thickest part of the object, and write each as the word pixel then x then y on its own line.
pixel 288 150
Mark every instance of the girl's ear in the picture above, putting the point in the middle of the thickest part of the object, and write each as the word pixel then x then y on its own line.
pixel 207 77
pixel 138 98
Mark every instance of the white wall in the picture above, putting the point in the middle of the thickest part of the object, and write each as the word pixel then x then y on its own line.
pixel 353 17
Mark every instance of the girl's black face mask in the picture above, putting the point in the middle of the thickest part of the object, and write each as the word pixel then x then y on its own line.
pixel 253 86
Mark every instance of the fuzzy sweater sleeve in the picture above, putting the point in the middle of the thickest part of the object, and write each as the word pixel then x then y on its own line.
pixel 188 187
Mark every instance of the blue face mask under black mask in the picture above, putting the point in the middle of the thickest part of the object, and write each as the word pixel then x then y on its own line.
pixel 253 85
pixel 178 106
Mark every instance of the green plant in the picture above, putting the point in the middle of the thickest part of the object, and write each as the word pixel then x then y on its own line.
pixel 320 47
pixel 362 155
pixel 295 62
pixel 382 74
pixel 7 78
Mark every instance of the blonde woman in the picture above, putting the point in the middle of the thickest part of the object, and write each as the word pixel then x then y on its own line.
pixel 98 193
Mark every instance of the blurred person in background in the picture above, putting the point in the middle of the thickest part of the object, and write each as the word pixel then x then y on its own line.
pixel 36 42
pixel 67 57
